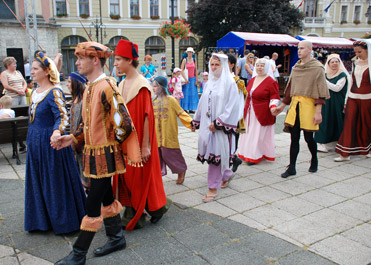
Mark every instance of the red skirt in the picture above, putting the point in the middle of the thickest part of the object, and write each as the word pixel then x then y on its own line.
pixel 356 136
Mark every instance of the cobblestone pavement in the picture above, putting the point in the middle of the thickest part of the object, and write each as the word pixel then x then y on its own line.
pixel 310 218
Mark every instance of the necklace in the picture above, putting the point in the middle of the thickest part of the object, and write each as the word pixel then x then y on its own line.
pixel 208 113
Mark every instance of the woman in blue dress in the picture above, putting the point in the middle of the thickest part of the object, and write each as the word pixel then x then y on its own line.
pixel 189 72
pixel 55 198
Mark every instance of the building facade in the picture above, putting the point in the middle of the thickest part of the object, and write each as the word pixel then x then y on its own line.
pixel 339 18
pixel 108 21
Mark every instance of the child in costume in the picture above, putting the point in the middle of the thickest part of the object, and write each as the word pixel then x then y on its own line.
pixel 166 110
pixel 205 77
pixel 176 84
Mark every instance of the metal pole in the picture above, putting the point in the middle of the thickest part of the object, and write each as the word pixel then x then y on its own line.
pixel 36 43
pixel 27 19
pixel 101 23
pixel 172 39
pixel 96 29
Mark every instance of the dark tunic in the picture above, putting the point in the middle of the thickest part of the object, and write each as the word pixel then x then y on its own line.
pixel 332 114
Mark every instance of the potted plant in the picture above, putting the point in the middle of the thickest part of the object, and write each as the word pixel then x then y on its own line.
pixel 175 18
pixel 62 15
pixel 136 17
pixel 357 22
pixel 155 17
pixel 343 22
pixel 114 16
pixel 178 30
pixel 84 15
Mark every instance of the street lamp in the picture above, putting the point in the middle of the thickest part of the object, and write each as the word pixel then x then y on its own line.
pixel 98 25
pixel 172 39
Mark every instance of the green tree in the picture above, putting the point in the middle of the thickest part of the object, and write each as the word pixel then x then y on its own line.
pixel 212 19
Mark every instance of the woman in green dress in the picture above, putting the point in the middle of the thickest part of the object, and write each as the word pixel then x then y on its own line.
pixel 337 78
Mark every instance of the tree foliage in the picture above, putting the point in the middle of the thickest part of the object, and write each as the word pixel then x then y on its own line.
pixel 212 19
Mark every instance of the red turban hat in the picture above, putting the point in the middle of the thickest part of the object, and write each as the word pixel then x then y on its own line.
pixel 127 49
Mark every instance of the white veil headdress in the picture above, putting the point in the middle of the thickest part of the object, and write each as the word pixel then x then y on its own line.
pixel 267 68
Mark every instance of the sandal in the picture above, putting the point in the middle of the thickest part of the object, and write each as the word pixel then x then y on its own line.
pixel 226 182
pixel 209 198
pixel 181 178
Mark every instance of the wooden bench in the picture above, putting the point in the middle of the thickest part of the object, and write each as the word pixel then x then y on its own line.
pixel 21 110
pixel 14 130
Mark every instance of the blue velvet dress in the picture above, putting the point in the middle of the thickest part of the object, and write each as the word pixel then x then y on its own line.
pixel 55 198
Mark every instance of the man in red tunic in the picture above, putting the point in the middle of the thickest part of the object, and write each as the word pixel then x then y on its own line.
pixel 140 187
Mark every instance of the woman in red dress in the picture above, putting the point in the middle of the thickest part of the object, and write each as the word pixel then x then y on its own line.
pixel 356 136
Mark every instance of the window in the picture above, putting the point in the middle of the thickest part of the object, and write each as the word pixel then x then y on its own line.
pixel 114 7
pixel 310 8
pixel 357 13
pixel 4 11
pixel 112 44
pixel 190 3
pixel 134 8
pixel 154 45
pixel 153 8
pixel 175 8
pixel 344 14
pixel 68 46
pixel 184 44
pixel 60 6
pixel 84 7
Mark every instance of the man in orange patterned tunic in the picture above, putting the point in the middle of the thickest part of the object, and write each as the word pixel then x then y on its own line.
pixel 106 124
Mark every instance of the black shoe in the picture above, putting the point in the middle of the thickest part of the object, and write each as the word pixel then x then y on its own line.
pixel 192 111
pixel 236 163
pixel 155 219
pixel 115 233
pixel 290 171
pixel 251 163
pixel 313 166
pixel 22 147
pixel 76 257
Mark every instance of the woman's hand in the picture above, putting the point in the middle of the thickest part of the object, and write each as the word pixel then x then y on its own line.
pixel 21 92
pixel 187 81
pixel 212 127
pixel 55 137
pixel 146 154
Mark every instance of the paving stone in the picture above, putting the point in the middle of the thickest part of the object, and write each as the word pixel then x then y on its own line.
pixel 245 171
pixel 237 254
pixel 292 187
pixel 122 257
pixel 343 250
pixel 244 184
pixel 322 197
pixel 241 202
pixel 303 258
pixel 284 237
pixel 27 241
pixel 187 198
pixel 342 189
pixel 354 209
pixel 269 215
pixel 162 250
pixel 366 198
pixel 193 260
pixel 14 224
pixel 9 175
pixel 195 182
pixel 243 219
pixel 27 259
pixel 172 187
pixel 262 243
pixel 335 174
pixel 216 208
pixel 297 206
pixel 233 229
pixel 204 217
pixel 333 220
pixel 201 237
pixel 268 194
pixel 352 170
pixel 265 178
pixel 304 231
pixel 9 261
pixel 6 251
pixel 175 220
pixel 314 180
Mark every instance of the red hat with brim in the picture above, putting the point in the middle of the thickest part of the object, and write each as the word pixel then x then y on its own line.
pixel 127 49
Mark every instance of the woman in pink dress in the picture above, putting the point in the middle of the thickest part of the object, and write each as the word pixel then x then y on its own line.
pixel 258 141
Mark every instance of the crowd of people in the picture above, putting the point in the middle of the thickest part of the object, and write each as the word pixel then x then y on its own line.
pixel 124 135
